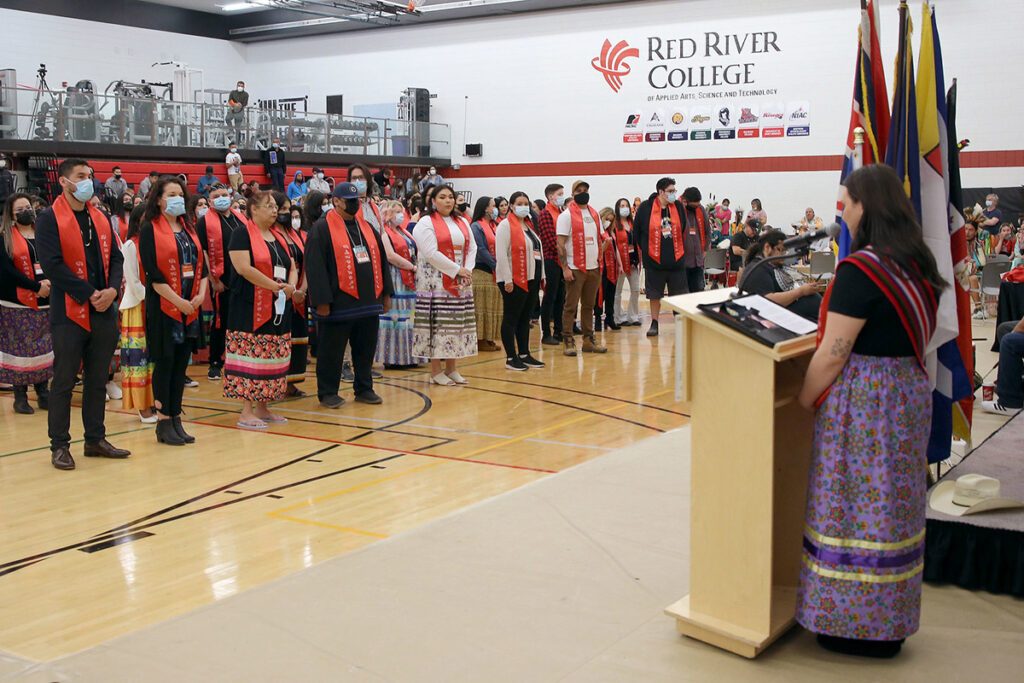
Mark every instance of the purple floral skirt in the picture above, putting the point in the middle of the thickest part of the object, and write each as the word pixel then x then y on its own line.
pixel 864 536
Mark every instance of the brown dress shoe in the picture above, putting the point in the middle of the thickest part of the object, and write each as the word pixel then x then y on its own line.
pixel 104 449
pixel 61 458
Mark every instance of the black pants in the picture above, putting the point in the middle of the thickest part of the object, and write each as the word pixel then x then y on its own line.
pixel 169 378
pixel 515 319
pixel 218 332
pixel 74 347
pixel 608 291
pixel 361 333
pixel 277 177
pixel 694 280
pixel 554 298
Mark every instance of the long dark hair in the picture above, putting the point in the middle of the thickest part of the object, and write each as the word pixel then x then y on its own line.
pixel 311 208
pixel 156 192
pixel 7 224
pixel 617 219
pixel 480 208
pixel 135 221
pixel 755 251
pixel 890 224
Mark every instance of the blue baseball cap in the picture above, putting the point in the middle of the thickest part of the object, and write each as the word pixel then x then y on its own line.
pixel 345 191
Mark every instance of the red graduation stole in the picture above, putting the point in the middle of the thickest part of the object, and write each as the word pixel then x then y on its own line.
pixel 579 245
pixel 263 299
pixel 488 228
pixel 622 244
pixel 611 268
pixel 345 258
pixel 654 232
pixel 913 300
pixel 300 242
pixel 520 250
pixel 443 235
pixel 702 227
pixel 72 247
pixel 215 240
pixel 398 237
pixel 23 261
pixel 168 264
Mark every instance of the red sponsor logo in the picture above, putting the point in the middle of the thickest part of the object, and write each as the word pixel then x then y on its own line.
pixel 752 133
pixel 773 133
pixel 612 62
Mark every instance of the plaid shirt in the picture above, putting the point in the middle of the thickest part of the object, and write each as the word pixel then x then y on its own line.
pixel 546 230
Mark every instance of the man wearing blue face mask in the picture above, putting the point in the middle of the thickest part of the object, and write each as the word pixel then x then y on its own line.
pixel 554 288
pixel 78 253
pixel 317 183
pixel 275 163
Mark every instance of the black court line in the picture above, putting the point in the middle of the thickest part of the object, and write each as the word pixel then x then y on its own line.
pixel 546 400
pixel 583 393
pixel 119 540
pixel 15 565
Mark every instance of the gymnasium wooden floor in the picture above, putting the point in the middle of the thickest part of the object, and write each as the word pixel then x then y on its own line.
pixel 114 546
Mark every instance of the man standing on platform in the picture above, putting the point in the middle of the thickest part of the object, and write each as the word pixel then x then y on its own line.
pixel 349 288
pixel 238 100
pixel 276 164
pixel 554 287
pixel 79 256
pixel 580 242
pixel 214 230
pixel 659 234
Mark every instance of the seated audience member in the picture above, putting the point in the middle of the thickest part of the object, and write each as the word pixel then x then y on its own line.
pixel 205 181
pixel 1004 240
pixel 1010 381
pixel 777 282
pixel 741 241
pixel 318 183
pixel 297 188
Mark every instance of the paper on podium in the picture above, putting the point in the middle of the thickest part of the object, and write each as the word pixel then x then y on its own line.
pixel 778 315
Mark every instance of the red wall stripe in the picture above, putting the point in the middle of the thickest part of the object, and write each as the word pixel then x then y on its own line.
pixel 793 164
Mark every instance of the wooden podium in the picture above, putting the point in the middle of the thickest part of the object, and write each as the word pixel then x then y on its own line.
pixel 749 453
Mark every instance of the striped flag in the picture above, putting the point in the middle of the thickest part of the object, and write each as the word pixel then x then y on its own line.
pixel 945 361
pixel 870 109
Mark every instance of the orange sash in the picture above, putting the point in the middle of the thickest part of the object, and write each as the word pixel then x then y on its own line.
pixel 215 240
pixel 654 232
pixel 344 255
pixel 443 235
pixel 398 237
pixel 171 268
pixel 579 244
pixel 520 250
pixel 23 261
pixel 72 247
pixel 263 299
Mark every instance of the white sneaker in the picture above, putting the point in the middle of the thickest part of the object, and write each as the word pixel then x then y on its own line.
pixel 114 391
pixel 997 408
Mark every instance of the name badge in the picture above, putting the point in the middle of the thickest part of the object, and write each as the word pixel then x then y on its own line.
pixel 280 273
pixel 692 231
pixel 188 272
pixel 458 254
pixel 39 269
pixel 361 253
pixel 536 255
pixel 590 240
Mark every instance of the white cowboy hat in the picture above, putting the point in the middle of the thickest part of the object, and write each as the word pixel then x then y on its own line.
pixel 970 494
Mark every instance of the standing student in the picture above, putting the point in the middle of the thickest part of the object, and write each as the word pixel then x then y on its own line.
pixel 290 226
pixel 444 324
pixel 121 214
pixel 696 238
pixel 136 367
pixel 611 266
pixel 580 243
pixel 349 290
pixel 78 253
pixel 659 235
pixel 259 320
pixel 502 206
pixel 214 230
pixel 519 269
pixel 554 287
pixel 233 162
pixel 860 579
pixel 394 341
pixel 26 347
pixel 175 270
pixel 486 297
pixel 625 244
pixel 276 164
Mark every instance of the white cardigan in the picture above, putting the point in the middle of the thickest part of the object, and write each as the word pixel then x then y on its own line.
pixel 134 290
pixel 426 246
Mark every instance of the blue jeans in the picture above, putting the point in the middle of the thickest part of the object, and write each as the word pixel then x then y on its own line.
pixel 1010 385
pixel 277 178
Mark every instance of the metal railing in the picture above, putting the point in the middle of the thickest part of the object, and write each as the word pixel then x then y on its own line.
pixel 82 116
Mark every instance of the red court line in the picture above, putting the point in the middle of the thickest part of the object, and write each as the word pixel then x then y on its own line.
pixel 761 164
pixel 380 448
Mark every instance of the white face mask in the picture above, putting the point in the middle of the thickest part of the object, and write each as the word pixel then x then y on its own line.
pixel 522 211
pixel 605 224
pixel 397 220
pixel 296 223
pixel 320 176
pixel 624 211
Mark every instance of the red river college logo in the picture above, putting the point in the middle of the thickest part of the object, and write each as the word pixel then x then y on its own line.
pixel 612 64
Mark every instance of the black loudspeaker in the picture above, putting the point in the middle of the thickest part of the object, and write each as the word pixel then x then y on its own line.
pixel 334 104
pixel 422 102
pixel 475 150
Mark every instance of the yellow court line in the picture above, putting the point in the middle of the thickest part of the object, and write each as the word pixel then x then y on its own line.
pixel 588 416
pixel 328 526
pixel 354 488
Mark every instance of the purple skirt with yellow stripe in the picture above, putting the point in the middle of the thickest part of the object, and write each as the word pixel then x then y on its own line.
pixel 256 365
pixel 864 536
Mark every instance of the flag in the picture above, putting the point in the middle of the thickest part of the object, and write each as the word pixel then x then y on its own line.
pixel 903 152
pixel 870 109
pixel 945 363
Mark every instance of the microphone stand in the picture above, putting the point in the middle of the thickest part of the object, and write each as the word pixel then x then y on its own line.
pixel 802 251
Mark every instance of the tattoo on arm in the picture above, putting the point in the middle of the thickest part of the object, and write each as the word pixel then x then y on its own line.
pixel 842 347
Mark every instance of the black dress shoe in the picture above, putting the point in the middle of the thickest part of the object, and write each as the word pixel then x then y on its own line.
pixel 61 458
pixel 104 449
pixel 332 401
pixel 185 436
pixel 551 340
pixel 370 397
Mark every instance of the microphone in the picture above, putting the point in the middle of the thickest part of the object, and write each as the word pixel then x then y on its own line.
pixel 801 242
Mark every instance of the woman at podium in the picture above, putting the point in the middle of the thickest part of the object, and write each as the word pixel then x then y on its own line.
pixel 860 580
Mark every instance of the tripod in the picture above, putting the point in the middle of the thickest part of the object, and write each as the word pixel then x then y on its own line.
pixel 44 106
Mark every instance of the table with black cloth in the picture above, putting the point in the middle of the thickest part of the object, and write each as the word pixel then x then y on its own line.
pixel 1011 304
pixel 984 551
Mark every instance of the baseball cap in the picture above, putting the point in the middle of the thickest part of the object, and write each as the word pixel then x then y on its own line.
pixel 345 191
pixel 576 185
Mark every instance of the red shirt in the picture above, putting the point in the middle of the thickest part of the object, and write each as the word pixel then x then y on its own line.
pixel 546 230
